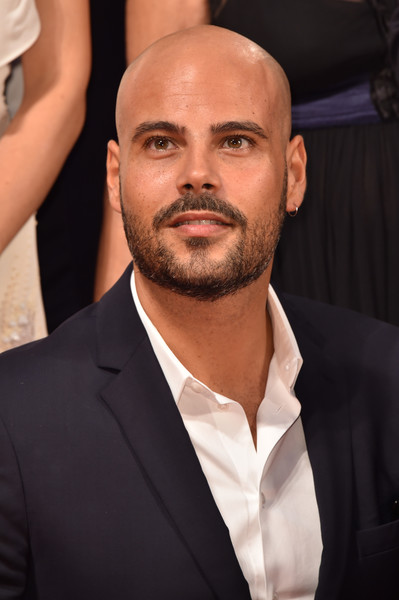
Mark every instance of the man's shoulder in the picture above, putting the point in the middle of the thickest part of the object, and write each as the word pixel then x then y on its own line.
pixel 78 355
pixel 47 368
pixel 77 335
pixel 351 337
pixel 74 334
pixel 330 319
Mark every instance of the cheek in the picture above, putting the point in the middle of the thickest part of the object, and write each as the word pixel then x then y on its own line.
pixel 254 183
pixel 144 195
pixel 153 178
pixel 269 181
pixel 257 193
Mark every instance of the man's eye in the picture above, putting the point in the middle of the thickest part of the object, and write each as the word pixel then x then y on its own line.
pixel 159 143
pixel 236 142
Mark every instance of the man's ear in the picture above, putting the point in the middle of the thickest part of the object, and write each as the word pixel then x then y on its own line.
pixel 296 171
pixel 113 184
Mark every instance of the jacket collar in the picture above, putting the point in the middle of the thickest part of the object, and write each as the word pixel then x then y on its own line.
pixel 119 331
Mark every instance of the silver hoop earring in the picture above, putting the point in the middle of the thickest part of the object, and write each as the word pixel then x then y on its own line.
pixel 293 213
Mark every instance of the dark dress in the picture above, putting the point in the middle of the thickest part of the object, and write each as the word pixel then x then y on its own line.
pixel 343 247
pixel 69 221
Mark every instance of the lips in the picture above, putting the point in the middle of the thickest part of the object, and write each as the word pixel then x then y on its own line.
pixel 199 219
pixel 198 222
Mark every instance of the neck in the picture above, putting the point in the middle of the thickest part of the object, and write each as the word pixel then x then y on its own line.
pixel 227 344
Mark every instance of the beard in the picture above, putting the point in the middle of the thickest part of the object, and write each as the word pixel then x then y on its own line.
pixel 202 277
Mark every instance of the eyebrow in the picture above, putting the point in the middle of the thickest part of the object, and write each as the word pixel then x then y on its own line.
pixel 230 126
pixel 149 126
pixel 218 128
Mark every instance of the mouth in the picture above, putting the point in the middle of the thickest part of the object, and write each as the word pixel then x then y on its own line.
pixel 200 224
pixel 199 219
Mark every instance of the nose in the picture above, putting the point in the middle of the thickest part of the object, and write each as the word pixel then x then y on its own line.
pixel 198 172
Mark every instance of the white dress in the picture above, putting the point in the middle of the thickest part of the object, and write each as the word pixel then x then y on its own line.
pixel 21 306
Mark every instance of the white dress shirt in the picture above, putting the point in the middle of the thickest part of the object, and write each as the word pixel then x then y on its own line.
pixel 266 496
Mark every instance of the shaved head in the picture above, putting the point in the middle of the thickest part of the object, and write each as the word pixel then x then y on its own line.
pixel 212 50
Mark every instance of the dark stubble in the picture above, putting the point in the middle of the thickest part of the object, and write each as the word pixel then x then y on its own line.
pixel 202 277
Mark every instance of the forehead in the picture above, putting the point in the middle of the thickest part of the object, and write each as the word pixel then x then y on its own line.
pixel 198 93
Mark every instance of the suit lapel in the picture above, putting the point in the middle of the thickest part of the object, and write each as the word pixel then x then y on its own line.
pixel 321 389
pixel 141 401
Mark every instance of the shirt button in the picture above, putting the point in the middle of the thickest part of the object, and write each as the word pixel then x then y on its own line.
pixel 223 406
pixel 287 368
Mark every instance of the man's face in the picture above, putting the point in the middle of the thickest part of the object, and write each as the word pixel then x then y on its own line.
pixel 203 177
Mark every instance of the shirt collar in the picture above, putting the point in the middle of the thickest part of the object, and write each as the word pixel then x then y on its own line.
pixel 286 349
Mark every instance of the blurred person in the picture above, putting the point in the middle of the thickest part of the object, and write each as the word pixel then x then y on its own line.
pixel 69 219
pixel 52 37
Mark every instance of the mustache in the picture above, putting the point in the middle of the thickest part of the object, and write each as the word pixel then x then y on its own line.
pixel 204 201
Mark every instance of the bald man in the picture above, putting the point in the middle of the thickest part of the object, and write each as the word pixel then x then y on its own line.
pixel 194 435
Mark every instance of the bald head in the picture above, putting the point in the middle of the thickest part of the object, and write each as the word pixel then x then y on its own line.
pixel 216 53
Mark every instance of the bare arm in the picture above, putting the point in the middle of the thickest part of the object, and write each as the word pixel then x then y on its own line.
pixel 149 20
pixel 35 145
pixel 146 22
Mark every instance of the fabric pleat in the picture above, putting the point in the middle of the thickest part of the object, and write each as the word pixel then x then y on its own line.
pixel 343 246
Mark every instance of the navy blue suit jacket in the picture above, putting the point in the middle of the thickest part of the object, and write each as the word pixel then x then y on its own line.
pixel 101 493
